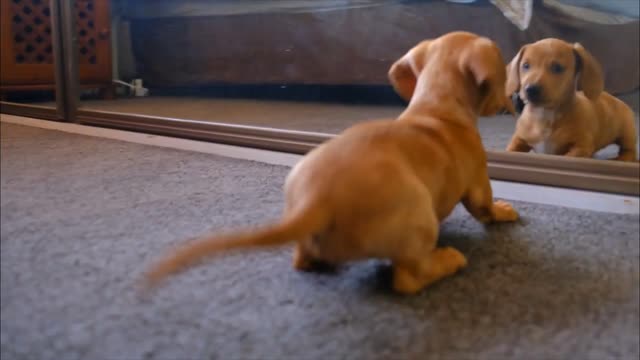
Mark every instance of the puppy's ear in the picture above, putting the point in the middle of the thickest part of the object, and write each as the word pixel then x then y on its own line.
pixel 589 72
pixel 485 64
pixel 513 73
pixel 403 74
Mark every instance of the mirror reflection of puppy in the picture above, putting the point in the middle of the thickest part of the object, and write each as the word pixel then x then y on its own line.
pixel 566 111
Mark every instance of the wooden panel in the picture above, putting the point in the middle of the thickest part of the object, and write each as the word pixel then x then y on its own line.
pixel 26 41
pixel 94 40
pixel 31 30
pixel 27 54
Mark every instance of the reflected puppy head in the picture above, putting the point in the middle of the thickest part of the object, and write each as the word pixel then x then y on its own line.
pixel 547 73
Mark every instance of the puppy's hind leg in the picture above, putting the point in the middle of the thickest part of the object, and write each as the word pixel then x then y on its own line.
pixel 418 263
pixel 628 146
pixel 627 154
pixel 628 139
pixel 303 258
pixel 412 275
pixel 304 261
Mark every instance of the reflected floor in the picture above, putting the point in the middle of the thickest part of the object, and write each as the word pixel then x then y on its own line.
pixel 303 116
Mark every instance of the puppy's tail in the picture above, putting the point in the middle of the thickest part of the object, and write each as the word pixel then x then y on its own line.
pixel 293 227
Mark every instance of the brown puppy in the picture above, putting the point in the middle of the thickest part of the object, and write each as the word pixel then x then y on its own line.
pixel 381 188
pixel 559 120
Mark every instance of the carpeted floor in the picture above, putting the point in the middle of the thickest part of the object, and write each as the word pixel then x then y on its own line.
pixel 82 216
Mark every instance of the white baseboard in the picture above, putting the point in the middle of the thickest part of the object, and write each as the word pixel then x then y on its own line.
pixel 578 199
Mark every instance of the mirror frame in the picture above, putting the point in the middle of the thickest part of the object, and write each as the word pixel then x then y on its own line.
pixel 575 173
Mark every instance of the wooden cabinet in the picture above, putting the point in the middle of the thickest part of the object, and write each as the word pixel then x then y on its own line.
pixel 27 53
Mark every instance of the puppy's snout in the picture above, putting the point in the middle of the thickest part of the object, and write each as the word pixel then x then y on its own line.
pixel 534 93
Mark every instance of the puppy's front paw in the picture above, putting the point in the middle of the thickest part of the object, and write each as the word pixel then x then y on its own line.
pixel 503 212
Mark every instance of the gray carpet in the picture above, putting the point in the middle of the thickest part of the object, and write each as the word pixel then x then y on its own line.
pixel 82 217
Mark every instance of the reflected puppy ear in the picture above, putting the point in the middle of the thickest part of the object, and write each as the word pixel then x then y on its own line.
pixel 513 73
pixel 589 73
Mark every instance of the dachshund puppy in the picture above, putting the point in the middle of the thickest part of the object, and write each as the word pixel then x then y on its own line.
pixel 566 111
pixel 381 188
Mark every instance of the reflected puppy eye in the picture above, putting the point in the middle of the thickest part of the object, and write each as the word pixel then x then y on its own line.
pixel 557 68
pixel 525 66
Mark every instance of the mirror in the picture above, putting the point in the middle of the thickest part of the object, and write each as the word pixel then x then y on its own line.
pixel 320 66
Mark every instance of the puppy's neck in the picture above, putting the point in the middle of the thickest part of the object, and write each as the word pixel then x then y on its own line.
pixel 441 100
pixel 549 115
pixel 541 114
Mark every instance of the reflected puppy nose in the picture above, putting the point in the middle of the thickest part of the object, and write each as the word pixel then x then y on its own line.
pixel 534 93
